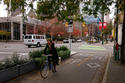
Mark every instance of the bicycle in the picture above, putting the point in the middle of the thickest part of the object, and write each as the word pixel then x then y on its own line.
pixel 44 71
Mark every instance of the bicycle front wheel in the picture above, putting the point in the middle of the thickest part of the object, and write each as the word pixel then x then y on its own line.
pixel 44 71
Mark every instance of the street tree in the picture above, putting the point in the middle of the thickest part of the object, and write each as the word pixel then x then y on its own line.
pixel 12 5
pixel 64 10
pixel 108 30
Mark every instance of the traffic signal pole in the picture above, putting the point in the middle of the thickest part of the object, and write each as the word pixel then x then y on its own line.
pixel 102 27
pixel 70 30
pixel 70 41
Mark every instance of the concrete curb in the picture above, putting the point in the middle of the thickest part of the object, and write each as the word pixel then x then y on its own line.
pixel 106 71
pixel 73 53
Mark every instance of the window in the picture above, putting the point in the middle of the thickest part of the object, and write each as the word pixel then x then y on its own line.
pixel 42 37
pixel 28 37
pixel 37 37
pixel 34 37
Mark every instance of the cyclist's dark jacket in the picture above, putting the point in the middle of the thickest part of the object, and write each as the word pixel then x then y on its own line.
pixel 47 50
pixel 51 51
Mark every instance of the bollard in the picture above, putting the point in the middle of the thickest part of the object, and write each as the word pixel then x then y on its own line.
pixel 59 60
pixel 119 53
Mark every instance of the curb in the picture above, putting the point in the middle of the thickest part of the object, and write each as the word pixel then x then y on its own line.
pixel 106 71
pixel 73 53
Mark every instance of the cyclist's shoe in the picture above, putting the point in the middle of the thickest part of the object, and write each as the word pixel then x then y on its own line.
pixel 54 70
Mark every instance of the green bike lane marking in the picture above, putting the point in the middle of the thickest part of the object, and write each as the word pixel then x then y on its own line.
pixel 92 47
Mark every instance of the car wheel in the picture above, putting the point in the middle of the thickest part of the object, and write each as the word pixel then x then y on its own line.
pixel 29 46
pixel 38 44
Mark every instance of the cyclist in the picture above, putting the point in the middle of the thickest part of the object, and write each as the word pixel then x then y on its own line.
pixel 53 56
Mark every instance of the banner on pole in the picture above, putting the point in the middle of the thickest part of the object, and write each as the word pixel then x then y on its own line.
pixel 104 25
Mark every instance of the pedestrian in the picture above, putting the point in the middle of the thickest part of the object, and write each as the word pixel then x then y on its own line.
pixel 51 51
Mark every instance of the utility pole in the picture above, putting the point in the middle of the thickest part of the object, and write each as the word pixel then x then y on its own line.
pixel 70 30
pixel 9 15
pixel 102 26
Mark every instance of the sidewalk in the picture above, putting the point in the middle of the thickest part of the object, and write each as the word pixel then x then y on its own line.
pixel 116 72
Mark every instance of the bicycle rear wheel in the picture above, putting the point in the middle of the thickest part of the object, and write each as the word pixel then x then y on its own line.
pixel 44 71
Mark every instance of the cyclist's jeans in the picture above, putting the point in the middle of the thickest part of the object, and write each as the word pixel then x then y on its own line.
pixel 50 62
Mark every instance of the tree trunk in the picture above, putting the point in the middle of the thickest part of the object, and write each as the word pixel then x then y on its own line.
pixel 123 42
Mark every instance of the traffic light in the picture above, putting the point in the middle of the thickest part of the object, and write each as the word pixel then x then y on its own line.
pixel 66 24
pixel 70 22
pixel 83 24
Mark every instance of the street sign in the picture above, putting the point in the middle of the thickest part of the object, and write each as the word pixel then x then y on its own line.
pixel 70 28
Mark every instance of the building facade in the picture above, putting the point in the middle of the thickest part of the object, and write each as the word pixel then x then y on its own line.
pixel 15 27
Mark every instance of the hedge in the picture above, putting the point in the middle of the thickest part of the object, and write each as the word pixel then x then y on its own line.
pixel 38 58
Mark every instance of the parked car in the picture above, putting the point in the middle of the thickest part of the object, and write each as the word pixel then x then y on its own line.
pixel 73 40
pixel 67 40
pixel 79 40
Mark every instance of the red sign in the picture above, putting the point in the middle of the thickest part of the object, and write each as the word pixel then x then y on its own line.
pixel 104 25
pixel 85 33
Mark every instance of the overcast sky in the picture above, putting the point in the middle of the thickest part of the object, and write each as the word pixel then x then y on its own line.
pixel 3 12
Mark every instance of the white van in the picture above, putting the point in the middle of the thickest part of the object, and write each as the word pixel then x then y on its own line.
pixel 34 40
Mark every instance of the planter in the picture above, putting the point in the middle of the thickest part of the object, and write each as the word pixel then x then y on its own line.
pixel 7 74
pixel 27 67
pixel 10 73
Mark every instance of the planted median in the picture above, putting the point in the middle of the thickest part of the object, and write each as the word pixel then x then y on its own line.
pixel 16 65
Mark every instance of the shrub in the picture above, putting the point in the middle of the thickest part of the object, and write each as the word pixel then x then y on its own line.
pixel 64 54
pixel 63 48
pixel 23 60
pixel 1 66
pixel 8 63
pixel 57 49
pixel 13 61
pixel 36 54
pixel 37 57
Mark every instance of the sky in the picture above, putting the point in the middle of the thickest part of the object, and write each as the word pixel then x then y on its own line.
pixel 3 12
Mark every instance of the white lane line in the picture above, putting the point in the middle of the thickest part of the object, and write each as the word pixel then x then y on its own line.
pixel 13 53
